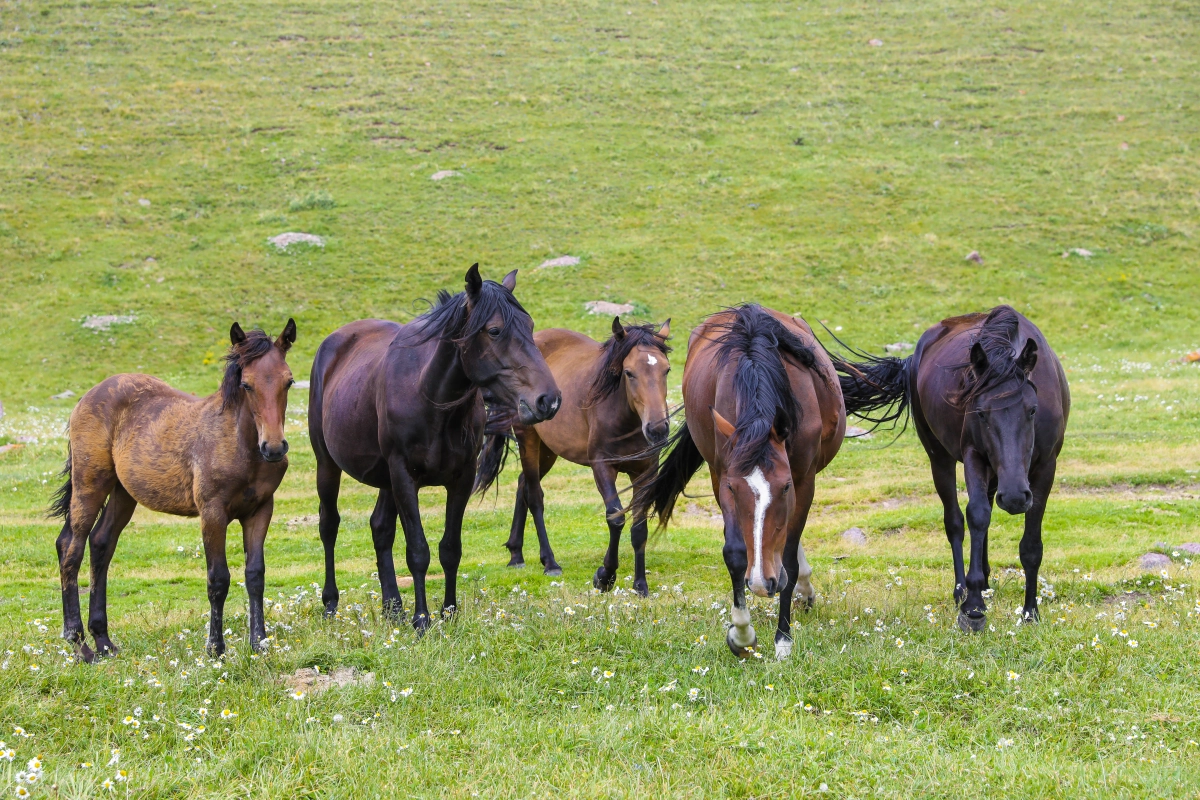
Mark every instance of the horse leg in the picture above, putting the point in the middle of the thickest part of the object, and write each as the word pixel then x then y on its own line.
pixel 516 534
pixel 254 535
pixel 945 481
pixel 797 571
pixel 416 547
pixel 536 462
pixel 972 617
pixel 1042 481
pixel 102 544
pixel 605 476
pixel 329 482
pixel 213 525
pixel 450 548
pixel 383 534
pixel 740 636
pixel 88 492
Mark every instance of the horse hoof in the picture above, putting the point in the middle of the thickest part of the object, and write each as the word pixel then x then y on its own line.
pixel 393 610
pixel 740 651
pixel 421 623
pixel 516 563
pixel 970 624
pixel 1029 615
pixel 554 570
pixel 215 649
pixel 783 648
pixel 449 612
pixel 806 603
pixel 641 588
pixel 84 654
pixel 106 648
pixel 331 610
pixel 602 581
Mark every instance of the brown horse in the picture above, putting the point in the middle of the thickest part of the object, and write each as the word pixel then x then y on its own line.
pixel 133 439
pixel 400 407
pixel 614 412
pixel 764 409
pixel 985 390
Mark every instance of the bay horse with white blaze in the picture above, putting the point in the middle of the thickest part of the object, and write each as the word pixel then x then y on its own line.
pixel 133 439
pixel 764 410
pixel 985 390
pixel 400 407
pixel 613 415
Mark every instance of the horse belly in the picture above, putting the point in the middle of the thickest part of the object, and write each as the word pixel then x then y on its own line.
pixel 153 465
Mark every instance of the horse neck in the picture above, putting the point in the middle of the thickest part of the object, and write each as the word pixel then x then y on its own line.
pixel 235 422
pixel 444 379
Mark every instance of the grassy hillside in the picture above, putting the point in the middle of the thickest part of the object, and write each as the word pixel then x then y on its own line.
pixel 691 156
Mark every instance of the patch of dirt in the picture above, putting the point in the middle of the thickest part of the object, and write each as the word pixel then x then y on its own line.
pixel 307 519
pixel 1128 598
pixel 310 681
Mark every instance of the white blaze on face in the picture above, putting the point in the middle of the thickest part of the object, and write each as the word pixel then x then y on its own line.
pixel 762 500
pixel 651 360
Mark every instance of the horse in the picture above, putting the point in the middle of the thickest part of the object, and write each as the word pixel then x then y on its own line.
pixel 401 407
pixel 763 408
pixel 134 439
pixel 985 390
pixel 614 413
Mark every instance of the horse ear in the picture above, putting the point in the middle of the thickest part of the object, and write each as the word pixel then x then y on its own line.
pixel 724 426
pixel 474 282
pixel 618 328
pixel 288 337
pixel 1028 358
pixel 510 281
pixel 775 437
pixel 979 360
pixel 236 334
pixel 665 331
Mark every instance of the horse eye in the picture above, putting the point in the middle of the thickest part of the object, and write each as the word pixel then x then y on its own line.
pixel 493 332
pixel 1033 411
pixel 246 386
pixel 291 382
pixel 628 374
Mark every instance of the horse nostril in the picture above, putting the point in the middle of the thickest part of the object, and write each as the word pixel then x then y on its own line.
pixel 771 584
pixel 547 404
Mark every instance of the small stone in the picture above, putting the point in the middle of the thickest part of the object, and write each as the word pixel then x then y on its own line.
pixel 1078 251
pixel 102 322
pixel 854 536
pixel 875 42
pixel 607 309
pixel 285 240
pixel 143 202
pixel 561 261
pixel 63 395
pixel 855 432
pixel 445 173
pixel 974 256
pixel 897 347
pixel 1124 145
pixel 1152 562
pixel 1190 547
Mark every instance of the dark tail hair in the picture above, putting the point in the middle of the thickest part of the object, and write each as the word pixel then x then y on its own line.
pixel 659 495
pixel 874 389
pixel 61 505
pixel 498 435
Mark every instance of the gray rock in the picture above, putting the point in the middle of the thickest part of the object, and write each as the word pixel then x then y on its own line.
pixel 1152 562
pixel 445 173
pixel 854 536
pixel 285 240
pixel 974 256
pixel 607 309
pixel 1190 547
pixel 102 322
pixel 561 261
pixel 855 432
pixel 62 395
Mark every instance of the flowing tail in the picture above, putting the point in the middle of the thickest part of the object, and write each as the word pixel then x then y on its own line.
pixel 498 435
pixel 876 388
pixel 61 505
pixel 657 497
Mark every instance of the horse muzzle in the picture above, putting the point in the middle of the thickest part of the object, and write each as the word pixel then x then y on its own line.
pixel 1015 502
pixel 273 454
pixel 543 409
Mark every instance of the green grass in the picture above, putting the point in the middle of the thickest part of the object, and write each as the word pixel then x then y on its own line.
pixel 692 157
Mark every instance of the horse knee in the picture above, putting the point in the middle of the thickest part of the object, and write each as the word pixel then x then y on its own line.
pixel 218 583
pixel 979 516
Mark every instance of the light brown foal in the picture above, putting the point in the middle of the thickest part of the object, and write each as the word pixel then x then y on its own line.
pixel 614 413
pixel 134 439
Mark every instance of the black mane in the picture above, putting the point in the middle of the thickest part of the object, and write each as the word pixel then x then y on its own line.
pixel 449 319
pixel 998 338
pixel 761 385
pixel 256 345
pixel 612 358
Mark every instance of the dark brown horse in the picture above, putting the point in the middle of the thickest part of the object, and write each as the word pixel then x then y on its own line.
pixel 985 390
pixel 133 439
pixel 400 407
pixel 614 412
pixel 765 411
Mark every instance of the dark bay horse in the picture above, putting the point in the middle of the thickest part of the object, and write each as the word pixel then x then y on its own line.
pixel 614 412
pixel 133 439
pixel 764 410
pixel 400 407
pixel 985 390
